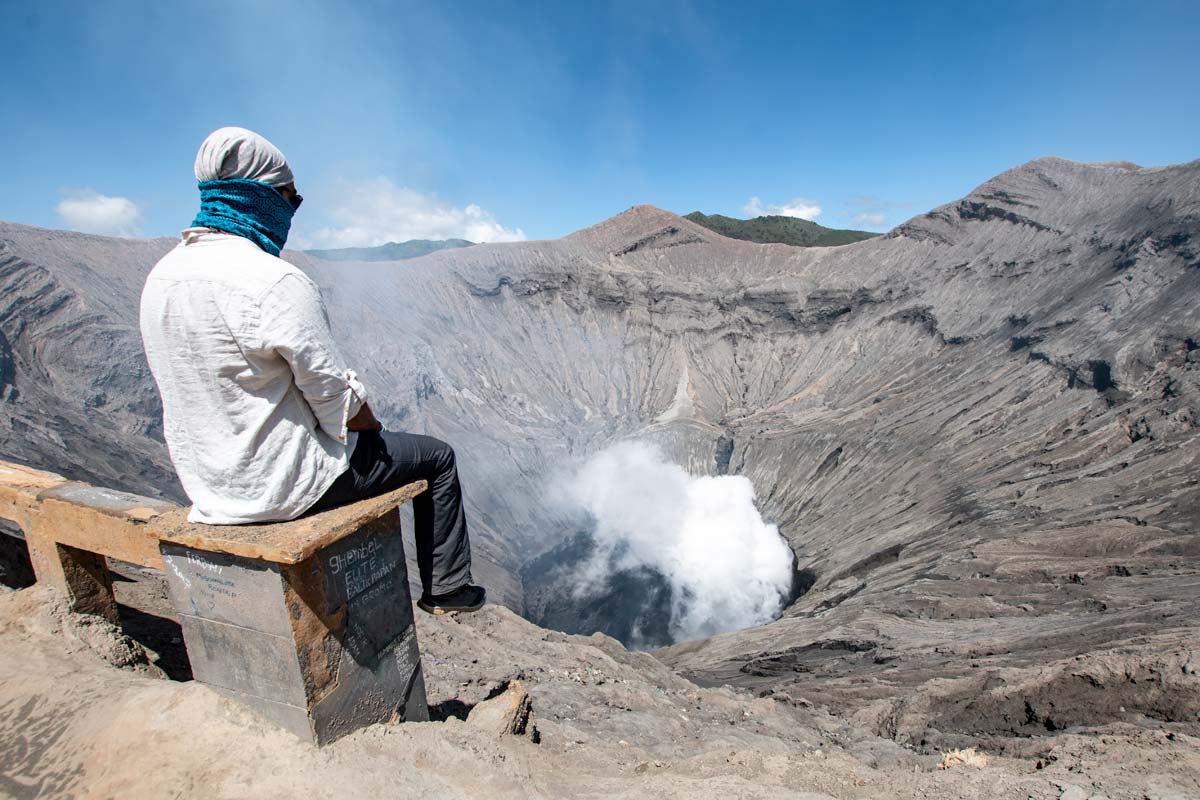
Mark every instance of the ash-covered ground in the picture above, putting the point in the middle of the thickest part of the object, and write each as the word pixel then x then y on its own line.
pixel 84 712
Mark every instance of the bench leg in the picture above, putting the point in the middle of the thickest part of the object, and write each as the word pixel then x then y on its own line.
pixel 322 647
pixel 81 575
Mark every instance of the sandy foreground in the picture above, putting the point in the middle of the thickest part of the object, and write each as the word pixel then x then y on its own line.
pixel 85 713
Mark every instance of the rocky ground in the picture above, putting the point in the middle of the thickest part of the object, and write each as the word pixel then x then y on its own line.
pixel 1022 637
pixel 84 712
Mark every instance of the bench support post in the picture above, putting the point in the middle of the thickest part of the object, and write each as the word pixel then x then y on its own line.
pixel 81 575
pixel 322 647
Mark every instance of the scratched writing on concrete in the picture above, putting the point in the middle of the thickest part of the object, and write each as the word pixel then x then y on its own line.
pixel 357 644
pixel 366 574
pixel 197 560
pixel 215 585
pixel 374 594
pixel 170 562
pixel 348 558
pixel 406 653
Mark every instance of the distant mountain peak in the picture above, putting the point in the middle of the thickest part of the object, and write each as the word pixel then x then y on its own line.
pixel 641 227
pixel 636 218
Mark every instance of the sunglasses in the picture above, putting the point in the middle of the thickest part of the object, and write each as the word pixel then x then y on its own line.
pixel 292 196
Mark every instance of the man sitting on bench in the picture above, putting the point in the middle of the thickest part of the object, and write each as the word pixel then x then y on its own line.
pixel 262 418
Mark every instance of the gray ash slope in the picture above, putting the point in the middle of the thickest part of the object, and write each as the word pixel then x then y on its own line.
pixel 75 391
pixel 978 432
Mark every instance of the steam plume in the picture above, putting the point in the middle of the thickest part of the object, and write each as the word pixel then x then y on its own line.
pixel 727 568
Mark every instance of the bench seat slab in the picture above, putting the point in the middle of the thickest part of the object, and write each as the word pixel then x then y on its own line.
pixel 281 542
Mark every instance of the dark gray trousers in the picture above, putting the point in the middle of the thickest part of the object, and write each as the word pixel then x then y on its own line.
pixel 387 460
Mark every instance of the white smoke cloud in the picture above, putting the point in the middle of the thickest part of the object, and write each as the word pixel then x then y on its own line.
pixel 800 208
pixel 870 211
pixel 88 211
pixel 727 568
pixel 867 218
pixel 378 211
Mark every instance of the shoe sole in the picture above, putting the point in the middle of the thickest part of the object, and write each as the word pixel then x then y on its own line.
pixel 437 611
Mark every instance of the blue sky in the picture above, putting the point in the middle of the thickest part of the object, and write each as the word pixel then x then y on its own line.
pixel 497 120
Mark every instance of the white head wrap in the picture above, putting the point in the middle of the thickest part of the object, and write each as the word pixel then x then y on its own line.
pixel 237 153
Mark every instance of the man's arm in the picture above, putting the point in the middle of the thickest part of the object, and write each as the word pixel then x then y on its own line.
pixel 364 420
pixel 295 325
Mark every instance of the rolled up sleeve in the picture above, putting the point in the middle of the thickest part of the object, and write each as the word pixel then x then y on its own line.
pixel 294 323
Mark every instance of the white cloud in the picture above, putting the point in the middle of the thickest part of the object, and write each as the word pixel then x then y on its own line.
pixel 866 218
pixel 89 211
pixel 800 208
pixel 378 211
pixel 867 210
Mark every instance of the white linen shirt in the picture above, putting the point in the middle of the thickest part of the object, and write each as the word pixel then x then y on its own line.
pixel 255 394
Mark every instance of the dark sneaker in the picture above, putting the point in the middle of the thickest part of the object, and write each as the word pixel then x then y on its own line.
pixel 465 598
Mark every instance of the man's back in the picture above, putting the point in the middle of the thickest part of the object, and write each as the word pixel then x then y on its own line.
pixel 239 346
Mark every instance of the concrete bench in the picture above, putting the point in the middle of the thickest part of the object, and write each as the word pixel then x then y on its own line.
pixel 308 622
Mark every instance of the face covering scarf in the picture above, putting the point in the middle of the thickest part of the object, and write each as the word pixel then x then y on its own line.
pixel 251 209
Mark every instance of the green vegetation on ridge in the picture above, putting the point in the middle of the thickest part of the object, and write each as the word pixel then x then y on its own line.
pixel 781 230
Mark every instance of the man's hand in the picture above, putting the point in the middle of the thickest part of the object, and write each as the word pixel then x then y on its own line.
pixel 364 420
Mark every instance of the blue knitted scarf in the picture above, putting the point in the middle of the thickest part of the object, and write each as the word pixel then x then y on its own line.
pixel 251 209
